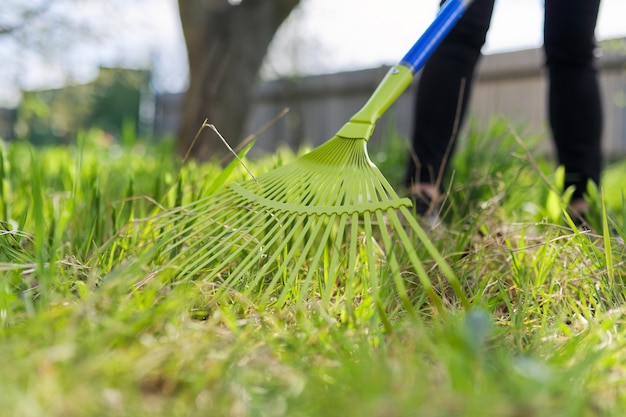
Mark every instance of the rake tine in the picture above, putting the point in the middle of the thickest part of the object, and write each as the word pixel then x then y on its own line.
pixel 333 269
pixel 330 223
pixel 393 263
pixel 437 257
pixel 209 245
pixel 315 225
pixel 192 215
pixel 417 265
pixel 217 244
pixel 374 281
pixel 271 261
pixel 352 252
pixel 238 274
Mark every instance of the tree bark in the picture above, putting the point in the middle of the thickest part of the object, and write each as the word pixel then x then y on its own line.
pixel 226 44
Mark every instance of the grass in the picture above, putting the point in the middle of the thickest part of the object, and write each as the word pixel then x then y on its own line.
pixel 87 330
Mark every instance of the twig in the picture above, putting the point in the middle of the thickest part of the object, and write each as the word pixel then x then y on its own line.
pixel 213 128
pixel 455 130
pixel 193 142
pixel 262 129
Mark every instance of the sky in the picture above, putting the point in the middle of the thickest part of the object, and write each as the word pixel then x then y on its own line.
pixel 321 36
pixel 362 33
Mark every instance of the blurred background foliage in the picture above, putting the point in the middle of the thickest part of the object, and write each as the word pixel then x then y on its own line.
pixel 112 103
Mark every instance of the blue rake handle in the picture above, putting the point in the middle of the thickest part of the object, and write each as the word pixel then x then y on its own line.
pixel 448 15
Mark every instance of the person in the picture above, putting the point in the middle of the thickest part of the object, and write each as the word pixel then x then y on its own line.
pixel 574 106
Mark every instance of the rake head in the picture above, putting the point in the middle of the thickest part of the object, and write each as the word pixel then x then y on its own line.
pixel 326 228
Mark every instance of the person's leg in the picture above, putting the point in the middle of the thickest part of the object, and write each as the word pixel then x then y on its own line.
pixel 446 77
pixel 574 105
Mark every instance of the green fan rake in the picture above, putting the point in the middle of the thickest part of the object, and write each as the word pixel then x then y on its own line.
pixel 326 227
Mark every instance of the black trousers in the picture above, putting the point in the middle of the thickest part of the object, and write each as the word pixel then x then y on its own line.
pixel 575 112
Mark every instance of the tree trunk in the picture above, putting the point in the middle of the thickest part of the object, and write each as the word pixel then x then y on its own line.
pixel 226 45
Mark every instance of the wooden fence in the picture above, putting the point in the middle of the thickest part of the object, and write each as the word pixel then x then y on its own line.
pixel 509 85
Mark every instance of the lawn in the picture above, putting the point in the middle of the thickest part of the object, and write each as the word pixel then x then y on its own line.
pixel 91 326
